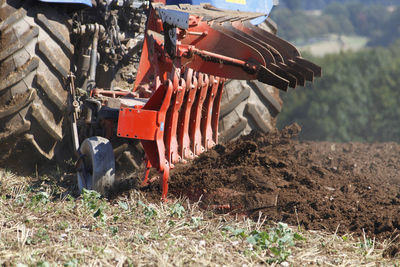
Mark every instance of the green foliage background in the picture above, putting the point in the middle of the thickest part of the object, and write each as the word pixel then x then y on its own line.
pixel 357 99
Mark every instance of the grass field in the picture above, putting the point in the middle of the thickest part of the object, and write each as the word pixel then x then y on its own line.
pixel 333 44
pixel 42 223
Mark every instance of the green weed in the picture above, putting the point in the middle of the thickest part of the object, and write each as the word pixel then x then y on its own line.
pixel 148 211
pixel 367 246
pixel 43 264
pixel 40 236
pixel 123 205
pixel 71 263
pixel 114 230
pixel 41 198
pixel 177 210
pixel 196 221
pixel 278 240
pixel 92 200
pixel 62 225
pixel 141 238
pixel 20 199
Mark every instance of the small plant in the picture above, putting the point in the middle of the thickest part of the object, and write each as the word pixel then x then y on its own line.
pixel 43 264
pixel 368 245
pixel 177 210
pixel 114 230
pixel 196 221
pixel 40 198
pixel 44 178
pixel 147 210
pixel 40 236
pixel 20 199
pixel 91 200
pixel 140 238
pixel 39 201
pixel 123 205
pixel 62 225
pixel 277 240
pixel 71 263
pixel 235 232
pixel 70 200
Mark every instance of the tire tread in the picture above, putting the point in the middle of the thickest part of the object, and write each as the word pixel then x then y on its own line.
pixel 38 60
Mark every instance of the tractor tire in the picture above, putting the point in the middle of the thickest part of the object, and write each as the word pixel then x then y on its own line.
pixel 35 52
pixel 248 105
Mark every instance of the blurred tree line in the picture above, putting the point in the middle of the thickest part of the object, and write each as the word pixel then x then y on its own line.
pixel 321 4
pixel 357 99
pixel 377 22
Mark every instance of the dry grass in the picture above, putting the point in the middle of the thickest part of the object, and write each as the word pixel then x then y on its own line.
pixel 42 225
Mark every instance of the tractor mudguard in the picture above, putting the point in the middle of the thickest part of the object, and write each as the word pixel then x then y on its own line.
pixel 83 2
pixel 258 6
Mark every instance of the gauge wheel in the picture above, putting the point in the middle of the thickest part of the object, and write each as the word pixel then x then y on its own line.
pixel 96 166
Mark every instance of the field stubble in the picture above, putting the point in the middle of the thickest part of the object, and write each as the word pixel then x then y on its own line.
pixel 43 222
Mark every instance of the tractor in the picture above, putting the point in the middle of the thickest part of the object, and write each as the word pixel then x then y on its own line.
pixel 158 82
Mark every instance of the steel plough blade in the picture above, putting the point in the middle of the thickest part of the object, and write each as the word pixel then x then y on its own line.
pixel 218 37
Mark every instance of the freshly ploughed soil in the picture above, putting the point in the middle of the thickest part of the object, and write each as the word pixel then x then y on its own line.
pixel 317 185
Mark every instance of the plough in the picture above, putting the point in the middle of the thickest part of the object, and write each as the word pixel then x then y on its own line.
pixel 188 53
pixel 173 59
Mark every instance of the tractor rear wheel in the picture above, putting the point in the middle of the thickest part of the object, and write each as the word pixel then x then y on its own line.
pixel 35 52
pixel 246 106
pixel 249 105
